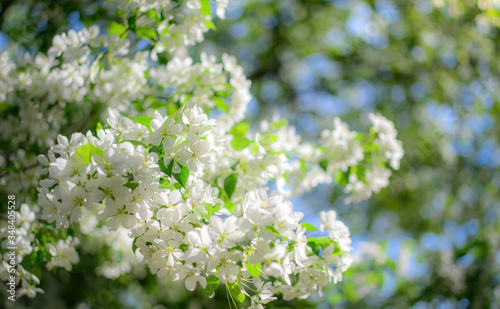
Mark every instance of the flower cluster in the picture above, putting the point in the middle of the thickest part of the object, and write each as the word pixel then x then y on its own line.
pixel 179 223
pixel 176 176
pixel 24 240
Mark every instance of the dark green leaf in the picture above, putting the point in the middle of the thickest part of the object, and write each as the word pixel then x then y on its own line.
pixel 181 177
pixel 230 184
pixel 165 169
pixel 323 164
pixel 131 22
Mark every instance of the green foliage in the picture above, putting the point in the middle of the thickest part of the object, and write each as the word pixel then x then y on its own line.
pixel 230 184
pixel 212 209
pixel 253 269
pixel 84 153
pixel 213 283
pixel 144 120
pixel 309 226
pixel 235 291
pixel 116 28
pixel 240 143
pixel 240 129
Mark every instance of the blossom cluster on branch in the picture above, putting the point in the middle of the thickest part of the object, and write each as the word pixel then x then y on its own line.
pixel 174 167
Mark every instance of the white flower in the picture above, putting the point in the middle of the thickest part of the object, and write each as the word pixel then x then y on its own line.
pixel 63 254
pixel 118 214
pixel 225 232
pixel 25 216
pixel 193 275
pixel 337 230
pixel 196 156
pixel 29 290
pixel 202 245
pixel 226 263
pixel 162 130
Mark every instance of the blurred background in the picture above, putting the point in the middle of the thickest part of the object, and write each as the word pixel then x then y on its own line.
pixel 429 240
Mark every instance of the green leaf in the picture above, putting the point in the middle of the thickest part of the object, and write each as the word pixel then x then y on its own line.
pixel 134 246
pixel 230 184
pixel 240 129
pixel 181 177
pixel 144 120
pixel 323 164
pixel 268 138
pixel 146 33
pixel 131 22
pixel 309 226
pixel 212 284
pixel 98 127
pixel 240 143
pixel 273 230
pixel 235 291
pixel 205 7
pixel 342 178
pixel 221 104
pixel 135 143
pixel 171 109
pixel 165 169
pixel 85 152
pixel 279 124
pixel 212 209
pixel 253 269
pixel 317 243
pixel 210 24
pixel 156 149
pixel 131 185
pixel 116 28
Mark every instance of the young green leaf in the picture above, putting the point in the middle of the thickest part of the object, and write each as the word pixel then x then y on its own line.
pixel 212 284
pixel 131 185
pixel 146 33
pixel 309 226
pixel 221 104
pixel 144 120
pixel 205 7
pixel 240 143
pixel 135 143
pixel 212 209
pixel 116 28
pixel 253 269
pixel 235 291
pixel 240 129
pixel 98 126
pixel 85 152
